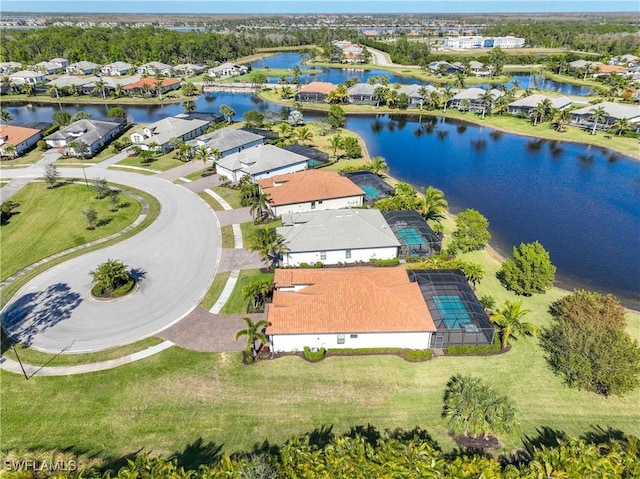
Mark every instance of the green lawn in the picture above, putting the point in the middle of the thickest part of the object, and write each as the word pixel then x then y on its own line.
pixel 215 290
pixel 27 159
pixel 37 358
pixel 247 229
pixel 161 163
pixel 236 303
pixel 213 204
pixel 231 196
pixel 170 400
pixel 228 240
pixel 50 221
pixel 196 175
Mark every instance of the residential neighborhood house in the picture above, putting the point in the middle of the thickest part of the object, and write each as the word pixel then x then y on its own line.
pixel 347 309
pixel 523 106
pixel 162 135
pixel 155 68
pixel 613 112
pixel 95 134
pixel 337 236
pixel 117 69
pixel 228 141
pixel 153 87
pixel 24 77
pixel 315 92
pixel 83 68
pixel 188 69
pixel 16 140
pixel 310 190
pixel 261 162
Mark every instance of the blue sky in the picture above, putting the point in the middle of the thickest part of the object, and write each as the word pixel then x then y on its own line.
pixel 314 6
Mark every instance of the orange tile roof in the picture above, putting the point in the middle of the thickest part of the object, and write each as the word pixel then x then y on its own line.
pixel 350 300
pixel 151 82
pixel 318 87
pixel 604 68
pixel 16 134
pixel 308 185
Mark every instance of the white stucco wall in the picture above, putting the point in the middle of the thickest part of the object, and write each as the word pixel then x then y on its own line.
pixel 281 171
pixel 331 204
pixel 297 342
pixel 340 256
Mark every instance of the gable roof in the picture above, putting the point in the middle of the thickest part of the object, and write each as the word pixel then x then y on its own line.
pixel 68 80
pixel 362 89
pixel 318 87
pixel 604 68
pixel 151 83
pixel 164 130
pixel 258 160
pixel 475 93
pixel 413 91
pixel 354 300
pixel 27 74
pixel 613 110
pixel 533 101
pixel 308 185
pixel 88 130
pixel 84 65
pixel 226 139
pixel 329 230
pixel 14 135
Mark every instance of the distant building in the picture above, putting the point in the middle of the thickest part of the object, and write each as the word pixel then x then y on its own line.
pixel 483 42
pixel 155 68
pixel 188 69
pixel 83 68
pixel 315 92
pixel 10 67
pixel 613 112
pixel 117 69
pixel 48 68
pixel 151 86
pixel 228 70
pixel 27 77
pixel 523 106
pixel 96 134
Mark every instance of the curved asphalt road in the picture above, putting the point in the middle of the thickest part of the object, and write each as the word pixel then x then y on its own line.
pixel 178 255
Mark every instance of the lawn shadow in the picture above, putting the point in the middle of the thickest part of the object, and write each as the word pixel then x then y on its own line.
pixel 34 313
pixel 547 437
pixel 321 437
pixel 138 274
pixel 103 222
pixel 197 453
pixel 599 435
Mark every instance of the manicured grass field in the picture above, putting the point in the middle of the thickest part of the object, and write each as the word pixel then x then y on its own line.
pixel 167 401
pixel 27 159
pixel 229 195
pixel 213 204
pixel 236 303
pixel 161 163
pixel 228 241
pixel 50 221
pixel 215 290
pixel 249 228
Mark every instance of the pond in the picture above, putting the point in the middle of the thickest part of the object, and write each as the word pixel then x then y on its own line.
pixel 337 75
pixel 582 203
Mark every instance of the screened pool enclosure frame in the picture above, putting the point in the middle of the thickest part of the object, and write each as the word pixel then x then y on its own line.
pixel 459 317
pixel 414 234
pixel 367 180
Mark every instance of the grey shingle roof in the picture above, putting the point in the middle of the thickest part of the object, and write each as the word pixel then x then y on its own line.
pixel 336 230
pixel 362 89
pixel 533 101
pixel 474 93
pixel 413 91
pixel 68 80
pixel 226 139
pixel 613 110
pixel 164 130
pixel 87 130
pixel 261 159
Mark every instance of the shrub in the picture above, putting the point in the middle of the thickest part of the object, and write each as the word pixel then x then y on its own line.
pixel 529 271
pixel 42 144
pixel 591 306
pixel 472 349
pixel 417 354
pixel 385 262
pixel 317 264
pixel 314 356
pixel 472 231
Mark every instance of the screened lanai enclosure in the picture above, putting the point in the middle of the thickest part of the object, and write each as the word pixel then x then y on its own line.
pixel 414 234
pixel 374 187
pixel 459 317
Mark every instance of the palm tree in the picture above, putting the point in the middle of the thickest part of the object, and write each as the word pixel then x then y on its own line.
pixel 258 205
pixel 284 129
pixel 53 90
pixel 465 104
pixel 597 114
pixel 110 275
pixel 228 112
pixel 256 294
pixel 537 113
pixel 269 244
pixel 391 97
pixel 202 153
pixel 8 150
pixel 5 116
pixel 158 86
pixel 335 143
pixel 119 90
pixel 424 93
pixel 304 134
pixel 460 78
pixel 378 165
pixel 486 99
pixel 561 119
pixel 80 148
pixel 502 105
pixel 433 204
pixel 188 106
pixel 100 87
pixel 473 273
pixel 510 324
pixel 621 125
pixel 254 333
pixel 379 95
pixel 446 95
pixel 434 99
pixel 27 89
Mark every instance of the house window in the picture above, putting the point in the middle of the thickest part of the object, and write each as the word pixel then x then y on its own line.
pixel 353 336
pixel 313 205
pixel 348 254
pixel 340 338
pixel 323 255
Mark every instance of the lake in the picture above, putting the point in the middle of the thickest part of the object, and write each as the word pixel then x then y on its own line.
pixel 338 75
pixel 581 202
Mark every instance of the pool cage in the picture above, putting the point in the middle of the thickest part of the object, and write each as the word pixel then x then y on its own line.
pixel 316 157
pixel 459 317
pixel 414 234
pixel 374 187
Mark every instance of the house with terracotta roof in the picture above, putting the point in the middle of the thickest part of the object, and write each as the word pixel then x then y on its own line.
pixel 346 309
pixel 310 190
pixel 18 139
pixel 315 92
pixel 150 86
pixel 602 69
pixel 337 236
